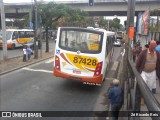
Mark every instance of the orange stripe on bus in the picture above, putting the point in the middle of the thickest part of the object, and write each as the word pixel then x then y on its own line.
pixel 97 79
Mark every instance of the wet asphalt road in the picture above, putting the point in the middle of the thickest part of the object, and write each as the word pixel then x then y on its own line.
pixel 36 89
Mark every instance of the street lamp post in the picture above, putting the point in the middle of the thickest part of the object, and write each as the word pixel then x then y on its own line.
pixel 5 56
pixel 130 23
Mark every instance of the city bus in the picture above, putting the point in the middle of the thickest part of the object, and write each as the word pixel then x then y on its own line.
pixel 83 54
pixel 16 37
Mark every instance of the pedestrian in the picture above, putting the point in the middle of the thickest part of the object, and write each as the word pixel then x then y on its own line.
pixel 116 98
pixel 134 51
pixel 158 46
pixel 139 50
pixel 24 53
pixel 148 66
pixel 138 43
pixel 146 46
pixel 29 52
pixel 109 102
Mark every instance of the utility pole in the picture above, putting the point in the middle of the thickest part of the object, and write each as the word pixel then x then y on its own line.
pixel 108 25
pixel 5 56
pixel 130 24
pixel 35 31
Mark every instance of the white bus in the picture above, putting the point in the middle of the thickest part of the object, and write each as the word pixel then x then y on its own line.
pixel 83 54
pixel 16 37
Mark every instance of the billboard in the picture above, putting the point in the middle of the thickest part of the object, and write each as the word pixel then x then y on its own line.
pixel 143 23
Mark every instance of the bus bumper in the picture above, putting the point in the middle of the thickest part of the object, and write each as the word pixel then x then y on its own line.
pixel 94 79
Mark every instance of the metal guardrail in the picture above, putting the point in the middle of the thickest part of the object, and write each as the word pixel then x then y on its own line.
pixel 136 88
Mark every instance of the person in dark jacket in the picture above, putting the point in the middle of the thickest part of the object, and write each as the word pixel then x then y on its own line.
pixel 116 98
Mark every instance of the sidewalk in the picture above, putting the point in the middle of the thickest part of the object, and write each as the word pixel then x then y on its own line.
pixel 17 62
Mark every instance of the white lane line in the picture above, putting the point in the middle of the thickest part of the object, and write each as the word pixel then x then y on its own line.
pixel 115 66
pixel 37 70
pixel 50 60
pixel 122 53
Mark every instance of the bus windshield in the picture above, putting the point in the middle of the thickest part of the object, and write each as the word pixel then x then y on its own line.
pixel 83 41
pixel 8 34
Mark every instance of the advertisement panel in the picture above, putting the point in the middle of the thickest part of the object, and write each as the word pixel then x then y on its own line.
pixel 143 22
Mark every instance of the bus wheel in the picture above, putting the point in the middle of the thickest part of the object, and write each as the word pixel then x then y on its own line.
pixel 13 46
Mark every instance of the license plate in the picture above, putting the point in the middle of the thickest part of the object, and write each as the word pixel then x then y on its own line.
pixel 76 72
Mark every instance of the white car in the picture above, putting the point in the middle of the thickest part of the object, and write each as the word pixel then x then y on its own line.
pixel 117 43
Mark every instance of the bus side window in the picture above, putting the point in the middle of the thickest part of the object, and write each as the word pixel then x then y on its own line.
pixel 108 39
pixel 21 34
pixel 107 46
pixel 15 35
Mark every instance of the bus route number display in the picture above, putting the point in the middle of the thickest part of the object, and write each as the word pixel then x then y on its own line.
pixel 86 61
pixel 93 37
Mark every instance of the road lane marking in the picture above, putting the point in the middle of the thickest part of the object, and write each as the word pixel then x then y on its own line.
pixel 115 66
pixel 50 60
pixel 122 53
pixel 38 70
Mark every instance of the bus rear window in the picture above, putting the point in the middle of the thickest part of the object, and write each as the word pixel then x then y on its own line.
pixel 83 41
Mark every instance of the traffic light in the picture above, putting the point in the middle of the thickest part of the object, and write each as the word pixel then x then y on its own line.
pixel 91 3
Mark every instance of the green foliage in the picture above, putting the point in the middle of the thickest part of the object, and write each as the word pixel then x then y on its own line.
pixel 114 24
pixel 21 24
pixel 50 14
pixel 155 12
pixel 102 22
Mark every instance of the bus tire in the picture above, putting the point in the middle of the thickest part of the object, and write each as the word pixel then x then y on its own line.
pixel 13 46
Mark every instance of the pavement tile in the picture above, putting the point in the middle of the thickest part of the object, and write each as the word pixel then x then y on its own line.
pixel 16 62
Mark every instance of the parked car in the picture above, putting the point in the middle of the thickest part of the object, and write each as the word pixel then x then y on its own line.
pixel 117 42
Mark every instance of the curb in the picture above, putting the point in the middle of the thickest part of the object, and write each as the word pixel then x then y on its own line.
pixel 42 59
pixel 102 105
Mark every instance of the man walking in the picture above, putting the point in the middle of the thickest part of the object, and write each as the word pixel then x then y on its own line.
pixel 115 95
pixel 29 52
pixel 148 65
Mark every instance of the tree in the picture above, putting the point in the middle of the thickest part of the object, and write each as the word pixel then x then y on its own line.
pixel 52 13
pixel 21 23
pixel 74 17
pixel 102 22
pixel 115 23
pixel 49 13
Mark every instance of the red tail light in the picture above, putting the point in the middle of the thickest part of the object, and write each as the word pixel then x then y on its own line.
pixel 98 69
pixel 57 62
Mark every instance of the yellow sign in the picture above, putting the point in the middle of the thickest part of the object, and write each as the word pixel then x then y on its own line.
pixel 131 32
pixel 83 62
pixel 93 46
pixel 93 37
